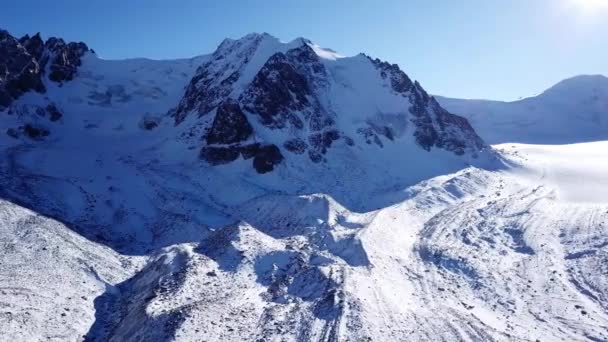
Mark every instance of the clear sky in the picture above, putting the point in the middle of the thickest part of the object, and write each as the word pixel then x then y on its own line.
pixel 495 49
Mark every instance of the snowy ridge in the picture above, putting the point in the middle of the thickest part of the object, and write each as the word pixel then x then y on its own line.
pixel 573 111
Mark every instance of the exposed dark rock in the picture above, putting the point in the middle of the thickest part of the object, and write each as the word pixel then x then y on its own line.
pixel 284 95
pixel 307 59
pixel 250 151
pixel 34 45
pixel 315 156
pixel 40 111
pixel 437 127
pixel 35 132
pixel 23 62
pixel 149 123
pixel 13 133
pixel 20 72
pixel 54 113
pixel 277 91
pixel 434 126
pixel 64 58
pixel 230 125
pixel 387 132
pixel 297 146
pixel 348 140
pixel 370 136
pixel 320 142
pixel 213 81
pixel 287 94
pixel 267 158
pixel 400 82
pixel 113 93
pixel 220 155
pixel 284 91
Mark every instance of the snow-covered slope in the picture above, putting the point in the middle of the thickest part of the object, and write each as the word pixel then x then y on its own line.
pixel 474 255
pixel 50 277
pixel 574 110
pixel 280 191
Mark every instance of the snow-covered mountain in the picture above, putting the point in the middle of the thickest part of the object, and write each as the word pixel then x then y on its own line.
pixel 279 191
pixel 573 111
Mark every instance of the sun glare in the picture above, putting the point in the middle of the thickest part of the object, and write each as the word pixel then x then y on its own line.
pixel 593 5
pixel 587 11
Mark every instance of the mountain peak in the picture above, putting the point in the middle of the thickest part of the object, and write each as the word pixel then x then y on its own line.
pixel 580 84
pixel 298 98
pixel 248 38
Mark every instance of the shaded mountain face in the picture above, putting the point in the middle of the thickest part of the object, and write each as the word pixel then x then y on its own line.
pixel 293 99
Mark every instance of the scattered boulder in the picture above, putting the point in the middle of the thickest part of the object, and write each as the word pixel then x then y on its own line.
pixel 297 146
pixel 35 132
pixel 220 155
pixel 13 133
pixel 267 158
pixel 149 123
pixel 54 113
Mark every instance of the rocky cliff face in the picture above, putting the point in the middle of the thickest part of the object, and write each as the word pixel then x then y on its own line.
pixel 24 62
pixel 292 98
pixel 20 71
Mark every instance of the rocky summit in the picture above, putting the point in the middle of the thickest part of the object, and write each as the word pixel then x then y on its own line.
pixel 293 93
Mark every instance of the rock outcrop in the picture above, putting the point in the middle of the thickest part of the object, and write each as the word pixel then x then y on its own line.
pixel 24 62
pixel 20 71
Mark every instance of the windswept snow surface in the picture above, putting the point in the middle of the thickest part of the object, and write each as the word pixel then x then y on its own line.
pixel 577 172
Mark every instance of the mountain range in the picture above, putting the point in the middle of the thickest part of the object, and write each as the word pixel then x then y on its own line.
pixel 281 191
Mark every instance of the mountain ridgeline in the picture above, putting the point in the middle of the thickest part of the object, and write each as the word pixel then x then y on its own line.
pixel 260 99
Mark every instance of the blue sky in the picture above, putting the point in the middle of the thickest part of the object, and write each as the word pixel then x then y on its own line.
pixel 496 49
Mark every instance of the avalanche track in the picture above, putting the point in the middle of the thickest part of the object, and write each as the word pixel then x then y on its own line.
pixel 477 255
